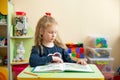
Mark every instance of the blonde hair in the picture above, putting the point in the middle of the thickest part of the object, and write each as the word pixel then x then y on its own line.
pixel 44 22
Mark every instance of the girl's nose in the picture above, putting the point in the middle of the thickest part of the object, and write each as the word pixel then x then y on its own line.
pixel 54 34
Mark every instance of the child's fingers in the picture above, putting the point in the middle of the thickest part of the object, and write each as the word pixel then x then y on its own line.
pixel 61 61
pixel 81 62
pixel 57 59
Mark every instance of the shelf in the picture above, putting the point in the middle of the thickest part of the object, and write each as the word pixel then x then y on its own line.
pixel 3 66
pixel 19 37
pixel 3 24
pixel 20 62
pixel 3 46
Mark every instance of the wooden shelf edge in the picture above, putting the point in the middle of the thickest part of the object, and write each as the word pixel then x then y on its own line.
pixel 3 24
pixel 3 46
pixel 20 62
pixel 19 37
pixel 3 66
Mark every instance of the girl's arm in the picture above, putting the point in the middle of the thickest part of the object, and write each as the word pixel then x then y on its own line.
pixel 36 60
pixel 66 57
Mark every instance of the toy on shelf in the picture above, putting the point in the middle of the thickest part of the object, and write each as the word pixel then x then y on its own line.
pixel 20 53
pixel 101 43
pixel 3 41
pixel 76 50
pixel 97 46
pixel 3 19
pixel 98 52
pixel 96 42
pixel 20 24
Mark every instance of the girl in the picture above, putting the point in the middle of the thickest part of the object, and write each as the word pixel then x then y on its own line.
pixel 48 45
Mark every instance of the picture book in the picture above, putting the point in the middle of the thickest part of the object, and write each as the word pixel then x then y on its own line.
pixel 71 67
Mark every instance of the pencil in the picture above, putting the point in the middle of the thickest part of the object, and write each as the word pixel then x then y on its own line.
pixel 29 73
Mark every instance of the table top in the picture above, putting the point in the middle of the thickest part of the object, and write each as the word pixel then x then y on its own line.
pixel 96 75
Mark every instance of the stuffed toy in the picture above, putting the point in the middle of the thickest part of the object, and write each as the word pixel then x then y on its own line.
pixel 20 53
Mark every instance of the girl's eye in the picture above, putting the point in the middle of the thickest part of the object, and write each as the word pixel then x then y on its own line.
pixel 52 32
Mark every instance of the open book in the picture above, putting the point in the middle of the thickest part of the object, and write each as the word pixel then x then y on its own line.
pixel 72 67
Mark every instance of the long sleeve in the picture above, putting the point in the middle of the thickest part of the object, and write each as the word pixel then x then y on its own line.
pixel 36 60
pixel 66 57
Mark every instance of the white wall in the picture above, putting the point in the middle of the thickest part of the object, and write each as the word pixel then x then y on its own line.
pixel 78 18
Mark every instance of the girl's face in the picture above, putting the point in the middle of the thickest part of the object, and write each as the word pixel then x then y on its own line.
pixel 50 33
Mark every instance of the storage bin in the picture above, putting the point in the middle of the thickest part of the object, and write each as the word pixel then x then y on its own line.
pixel 98 52
pixel 96 41
pixel 103 64
pixel 108 75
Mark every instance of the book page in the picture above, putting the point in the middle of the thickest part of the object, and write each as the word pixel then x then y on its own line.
pixel 77 67
pixel 63 67
pixel 49 68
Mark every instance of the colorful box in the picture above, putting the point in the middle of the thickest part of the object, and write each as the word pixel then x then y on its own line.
pixel 103 64
pixel 75 50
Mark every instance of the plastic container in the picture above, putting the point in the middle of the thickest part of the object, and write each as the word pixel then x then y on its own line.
pixel 99 52
pixel 20 24
pixel 96 41
pixel 103 64
pixel 108 75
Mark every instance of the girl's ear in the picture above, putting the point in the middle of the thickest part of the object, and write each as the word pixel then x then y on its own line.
pixel 41 31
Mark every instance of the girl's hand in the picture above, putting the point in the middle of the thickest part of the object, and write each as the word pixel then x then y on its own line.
pixel 57 59
pixel 82 61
